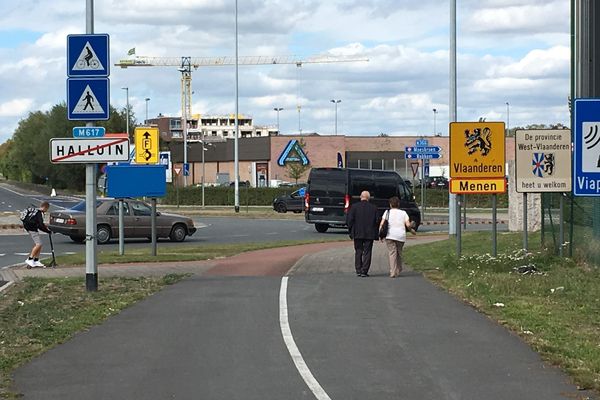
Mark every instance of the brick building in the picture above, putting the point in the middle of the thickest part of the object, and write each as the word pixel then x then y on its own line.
pixel 258 156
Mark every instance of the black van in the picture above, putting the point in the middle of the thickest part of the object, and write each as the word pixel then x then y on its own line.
pixel 331 192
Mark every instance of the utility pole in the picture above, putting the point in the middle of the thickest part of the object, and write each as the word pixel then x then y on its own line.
pixel 336 102
pixel 278 109
pixel 91 260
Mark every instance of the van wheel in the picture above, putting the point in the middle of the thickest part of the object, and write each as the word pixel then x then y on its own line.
pixel 321 228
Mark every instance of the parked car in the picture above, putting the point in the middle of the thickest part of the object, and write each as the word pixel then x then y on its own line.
pixel 137 222
pixel 240 184
pixel 290 202
pixel 438 182
pixel 331 192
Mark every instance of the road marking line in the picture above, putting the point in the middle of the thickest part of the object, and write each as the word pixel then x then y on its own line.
pixel 288 338
pixel 2 254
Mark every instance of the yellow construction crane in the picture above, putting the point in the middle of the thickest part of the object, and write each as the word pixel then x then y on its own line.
pixel 185 65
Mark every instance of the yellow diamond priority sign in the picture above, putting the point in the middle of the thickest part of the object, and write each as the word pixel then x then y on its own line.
pixel 146 145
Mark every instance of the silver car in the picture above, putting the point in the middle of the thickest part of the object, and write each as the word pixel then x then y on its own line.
pixel 137 222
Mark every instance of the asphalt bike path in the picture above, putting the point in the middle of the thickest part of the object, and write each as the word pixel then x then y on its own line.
pixel 218 335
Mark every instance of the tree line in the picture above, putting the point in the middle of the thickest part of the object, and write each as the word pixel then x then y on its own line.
pixel 26 156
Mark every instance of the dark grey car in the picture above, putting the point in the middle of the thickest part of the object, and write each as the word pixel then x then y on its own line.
pixel 290 202
pixel 137 222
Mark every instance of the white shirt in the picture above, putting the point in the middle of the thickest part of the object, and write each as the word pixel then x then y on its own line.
pixel 397 220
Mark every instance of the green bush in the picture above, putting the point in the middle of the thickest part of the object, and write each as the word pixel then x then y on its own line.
pixel 439 198
pixel 222 196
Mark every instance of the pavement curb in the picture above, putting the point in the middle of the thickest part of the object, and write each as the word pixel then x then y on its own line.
pixel 476 222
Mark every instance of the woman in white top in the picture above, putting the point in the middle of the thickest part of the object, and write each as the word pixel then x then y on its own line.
pixel 398 223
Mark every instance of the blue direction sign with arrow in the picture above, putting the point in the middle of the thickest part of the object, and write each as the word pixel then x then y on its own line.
pixel 422 156
pixel 422 149
pixel 88 99
pixel 88 55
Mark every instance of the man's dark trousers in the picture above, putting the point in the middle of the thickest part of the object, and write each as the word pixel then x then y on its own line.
pixel 362 255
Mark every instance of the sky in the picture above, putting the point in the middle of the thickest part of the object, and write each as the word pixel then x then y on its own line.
pixel 509 51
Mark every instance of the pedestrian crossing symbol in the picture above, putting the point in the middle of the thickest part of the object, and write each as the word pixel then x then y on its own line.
pixel 88 60
pixel 88 98
pixel 88 103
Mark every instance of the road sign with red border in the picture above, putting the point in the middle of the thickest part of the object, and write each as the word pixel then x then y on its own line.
pixel 84 151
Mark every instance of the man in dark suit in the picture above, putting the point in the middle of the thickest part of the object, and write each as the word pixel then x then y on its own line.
pixel 362 225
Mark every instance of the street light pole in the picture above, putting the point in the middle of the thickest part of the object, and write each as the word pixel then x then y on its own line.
pixel 126 89
pixel 434 121
pixel 236 161
pixel 278 109
pixel 507 118
pixel 336 102
pixel 147 99
pixel 203 170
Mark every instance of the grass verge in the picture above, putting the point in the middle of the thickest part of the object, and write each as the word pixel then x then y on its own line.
pixel 37 314
pixel 181 253
pixel 556 308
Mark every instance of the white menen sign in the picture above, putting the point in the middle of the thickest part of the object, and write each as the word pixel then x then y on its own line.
pixel 543 160
pixel 98 150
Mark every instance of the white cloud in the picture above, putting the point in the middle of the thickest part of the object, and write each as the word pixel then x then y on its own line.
pixel 15 107
pixel 503 56
pixel 552 62
pixel 520 18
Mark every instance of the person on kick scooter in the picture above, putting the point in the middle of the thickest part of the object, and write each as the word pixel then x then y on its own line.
pixel 32 222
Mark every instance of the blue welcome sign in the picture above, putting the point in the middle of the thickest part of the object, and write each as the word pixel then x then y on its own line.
pixel 293 152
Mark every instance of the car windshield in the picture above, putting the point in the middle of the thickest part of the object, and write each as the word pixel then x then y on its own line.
pixel 81 206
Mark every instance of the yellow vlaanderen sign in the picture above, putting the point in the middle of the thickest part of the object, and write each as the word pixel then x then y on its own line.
pixel 146 145
pixel 477 150
pixel 477 185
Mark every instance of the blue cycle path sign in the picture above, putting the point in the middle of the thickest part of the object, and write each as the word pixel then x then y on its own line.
pixel 586 147
pixel 88 55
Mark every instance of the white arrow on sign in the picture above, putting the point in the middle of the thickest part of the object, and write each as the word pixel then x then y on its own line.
pixel 97 150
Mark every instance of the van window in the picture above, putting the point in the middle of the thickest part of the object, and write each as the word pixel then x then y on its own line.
pixel 387 186
pixel 405 193
pixel 362 180
pixel 327 183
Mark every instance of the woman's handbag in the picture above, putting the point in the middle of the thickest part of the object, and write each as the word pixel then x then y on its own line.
pixel 383 229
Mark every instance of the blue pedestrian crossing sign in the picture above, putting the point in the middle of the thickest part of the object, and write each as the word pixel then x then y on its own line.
pixel 88 99
pixel 88 55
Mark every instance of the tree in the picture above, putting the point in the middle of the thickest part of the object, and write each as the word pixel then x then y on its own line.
pixel 26 156
pixel 295 169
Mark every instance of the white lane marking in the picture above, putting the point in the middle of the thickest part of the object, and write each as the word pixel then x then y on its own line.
pixel 240 235
pixel 2 254
pixel 272 233
pixel 288 338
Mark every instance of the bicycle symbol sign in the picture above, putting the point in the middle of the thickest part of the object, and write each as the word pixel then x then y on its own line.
pixel 88 55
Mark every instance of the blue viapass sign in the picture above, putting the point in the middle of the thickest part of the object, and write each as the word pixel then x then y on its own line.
pixel 586 147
